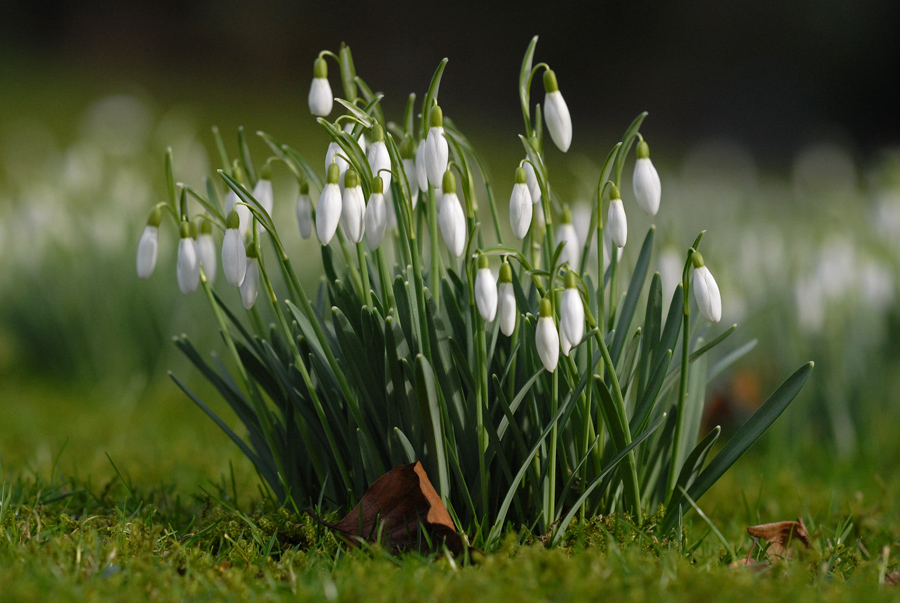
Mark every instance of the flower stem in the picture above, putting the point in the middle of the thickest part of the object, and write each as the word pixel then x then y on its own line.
pixel 364 270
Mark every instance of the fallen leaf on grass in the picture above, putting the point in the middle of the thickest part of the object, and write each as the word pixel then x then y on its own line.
pixel 892 579
pixel 780 535
pixel 402 510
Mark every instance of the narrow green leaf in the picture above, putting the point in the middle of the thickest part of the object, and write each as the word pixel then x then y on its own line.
pixel 431 413
pixel 631 298
pixel 694 461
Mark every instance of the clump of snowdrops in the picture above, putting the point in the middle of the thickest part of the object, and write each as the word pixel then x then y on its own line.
pixel 532 377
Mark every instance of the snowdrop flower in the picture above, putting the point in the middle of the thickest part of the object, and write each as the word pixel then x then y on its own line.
pixel 485 290
pixel 706 291
pixel 353 212
pixel 335 154
pixel 556 113
pixel 262 192
pixel 437 153
pixel 616 222
pixel 304 211
pixel 564 344
pixel 233 202
pixel 206 251
pixel 546 339
pixel 250 286
pixel 376 214
pixel 361 140
pixel 451 217
pixel 148 246
pixel 571 254
pixel 646 181
pixel 538 223
pixel 234 258
pixel 328 212
pixel 378 157
pixel 571 312
pixel 533 187
pixel 520 210
pixel 321 99
pixel 188 267
pixel 410 169
pixel 421 171
pixel 506 301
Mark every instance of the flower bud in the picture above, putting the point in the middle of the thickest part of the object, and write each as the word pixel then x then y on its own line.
pixel 328 212
pixel 646 181
pixel 378 156
pixel 437 152
pixel 485 290
pixel 421 171
pixel 706 291
pixel 148 246
pixel 546 338
pixel 234 258
pixel 335 154
pixel 571 312
pixel 571 253
pixel 262 192
pixel 206 251
pixel 616 222
pixel 520 210
pixel 451 217
pixel 506 301
pixel 556 113
pixel 250 286
pixel 376 215
pixel 353 212
pixel 320 99
pixel 531 179
pixel 188 266
pixel 304 211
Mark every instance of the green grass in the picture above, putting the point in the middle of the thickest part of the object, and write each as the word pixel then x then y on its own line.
pixel 156 519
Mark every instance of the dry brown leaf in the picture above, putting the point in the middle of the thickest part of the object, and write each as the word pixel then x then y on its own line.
pixel 780 535
pixel 892 579
pixel 401 504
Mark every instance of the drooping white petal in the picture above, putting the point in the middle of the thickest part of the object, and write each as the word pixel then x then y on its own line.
pixel 234 257
pixel 380 162
pixel 328 213
pixel 506 308
pixel 304 216
pixel 232 202
pixel 486 294
pixel 533 187
pixel 571 316
pixel 421 170
pixel 206 251
pixel 250 286
pixel 188 266
pixel 437 154
pixel 546 340
pixel 520 210
pixel 559 123
pixel 336 154
pixel 564 344
pixel 647 189
pixel 262 192
pixel 148 249
pixel 571 253
pixel 409 166
pixel 453 224
pixel 617 223
pixel 706 293
pixel 321 100
pixel 376 220
pixel 353 214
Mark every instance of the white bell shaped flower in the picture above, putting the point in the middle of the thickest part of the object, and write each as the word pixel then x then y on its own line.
pixel 556 113
pixel 616 223
pixel 520 206
pixel 376 215
pixel 328 212
pixel 533 187
pixel 188 266
pixel 564 344
pixel 647 189
pixel 206 251
pixel 250 286
pixel 566 233
pixel 408 156
pixel 360 140
pixel 437 152
pixel 321 100
pixel 378 156
pixel 539 222
pixel 546 338
pixel 451 218
pixel 485 290
pixel 148 246
pixel 706 291
pixel 234 257
pixel 335 154
pixel 421 171
pixel 304 211
pixel 571 312
pixel 233 203
pixel 353 212
pixel 506 301
pixel 262 192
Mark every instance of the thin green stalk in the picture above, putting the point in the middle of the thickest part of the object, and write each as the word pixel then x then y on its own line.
pixel 554 435
pixel 435 247
pixel 601 272
pixel 348 259
pixel 364 270
pixel 682 394
pixel 481 402
pixel 387 291
pixel 613 286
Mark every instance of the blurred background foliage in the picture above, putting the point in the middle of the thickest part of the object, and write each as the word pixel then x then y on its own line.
pixel 774 125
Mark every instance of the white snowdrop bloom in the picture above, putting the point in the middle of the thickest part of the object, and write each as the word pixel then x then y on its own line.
pixel 321 100
pixel 250 286
pixel 353 212
pixel 328 212
pixel 408 156
pixel 262 192
pixel 451 218
pixel 379 158
pixel 188 266
pixel 571 253
pixel 335 154
pixel 437 152
pixel 564 344
pixel 304 211
pixel 556 113
pixel 520 206
pixel 538 222
pixel 360 140
pixel 485 290
pixel 533 187
pixel 234 257
pixel 646 184
pixel 571 312
pixel 206 251
pixel 148 246
pixel 546 338
pixel 706 291
pixel 376 215
pixel 506 301
pixel 421 171
pixel 616 223
pixel 233 203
